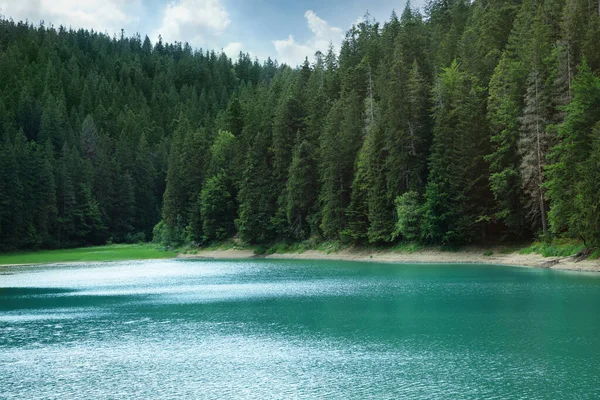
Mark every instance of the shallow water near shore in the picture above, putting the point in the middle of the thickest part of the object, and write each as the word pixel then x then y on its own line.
pixel 262 329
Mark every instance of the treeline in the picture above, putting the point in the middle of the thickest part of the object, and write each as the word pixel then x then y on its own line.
pixel 86 123
pixel 473 123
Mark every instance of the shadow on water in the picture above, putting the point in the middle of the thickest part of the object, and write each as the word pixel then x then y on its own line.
pixel 31 291
pixel 22 299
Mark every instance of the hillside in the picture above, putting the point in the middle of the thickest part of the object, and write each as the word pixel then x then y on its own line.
pixel 470 123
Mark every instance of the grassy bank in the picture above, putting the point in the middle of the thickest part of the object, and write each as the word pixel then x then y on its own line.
pixel 101 253
pixel 118 252
pixel 559 248
pixel 555 248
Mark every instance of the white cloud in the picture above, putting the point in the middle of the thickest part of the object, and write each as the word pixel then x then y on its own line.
pixel 193 21
pixel 100 15
pixel 323 33
pixel 293 53
pixel 233 50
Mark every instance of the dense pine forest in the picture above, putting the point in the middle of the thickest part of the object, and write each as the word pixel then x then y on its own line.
pixel 472 122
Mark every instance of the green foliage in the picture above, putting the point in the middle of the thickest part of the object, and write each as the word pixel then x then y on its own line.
pixel 222 151
pixel 257 198
pixel 229 244
pixel 556 248
pixel 187 166
pixel 260 250
pixel 340 144
pixel 450 248
pixel 331 194
pixel 217 208
pixel 302 192
pixel 586 220
pixel 409 213
pixel 572 177
pixel 88 254
pixel 144 175
pixel 457 199
pixel 169 237
pixel 289 247
pixel 97 115
pixel 504 109
pixel 407 247
pixel 478 122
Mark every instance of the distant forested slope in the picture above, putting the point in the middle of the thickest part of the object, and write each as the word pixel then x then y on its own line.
pixel 473 122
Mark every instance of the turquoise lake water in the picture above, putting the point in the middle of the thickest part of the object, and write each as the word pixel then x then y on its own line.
pixel 274 329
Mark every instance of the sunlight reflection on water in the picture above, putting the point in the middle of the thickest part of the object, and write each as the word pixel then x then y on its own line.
pixel 297 329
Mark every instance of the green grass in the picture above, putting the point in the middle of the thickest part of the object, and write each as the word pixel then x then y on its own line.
pixel 329 246
pixel 450 248
pixel 283 247
pixel 113 252
pixel 510 249
pixel 260 250
pixel 292 247
pixel 407 247
pixel 225 245
pixel 556 248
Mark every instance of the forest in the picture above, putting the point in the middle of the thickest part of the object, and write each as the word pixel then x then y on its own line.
pixel 462 123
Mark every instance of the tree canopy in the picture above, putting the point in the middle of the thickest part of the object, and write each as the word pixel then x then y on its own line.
pixel 469 122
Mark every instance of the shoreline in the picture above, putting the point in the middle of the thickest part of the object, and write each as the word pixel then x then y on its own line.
pixel 469 256
pixel 473 255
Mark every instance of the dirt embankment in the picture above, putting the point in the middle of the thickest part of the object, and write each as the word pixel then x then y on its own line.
pixel 475 256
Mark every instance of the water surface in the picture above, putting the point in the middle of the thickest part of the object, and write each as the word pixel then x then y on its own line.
pixel 273 329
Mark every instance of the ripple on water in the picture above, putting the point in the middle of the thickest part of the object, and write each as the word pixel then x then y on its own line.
pixel 260 330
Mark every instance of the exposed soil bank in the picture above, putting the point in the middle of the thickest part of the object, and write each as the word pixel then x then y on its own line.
pixel 474 256
pixel 430 256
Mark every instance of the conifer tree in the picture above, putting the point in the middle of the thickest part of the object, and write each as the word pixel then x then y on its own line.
pixel 408 209
pixel 504 161
pixel 256 196
pixel 533 145
pixel 302 191
pixel 144 175
pixel 217 208
pixel 534 142
pixel 89 137
pixel 367 160
pixel 288 124
pixel 457 198
pixel 339 147
pixel 436 127
pixel 566 173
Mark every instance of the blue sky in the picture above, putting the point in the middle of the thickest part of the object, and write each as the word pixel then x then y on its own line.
pixel 285 30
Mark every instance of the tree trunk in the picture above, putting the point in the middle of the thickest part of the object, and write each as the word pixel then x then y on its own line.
pixel 543 213
pixel 570 78
pixel 413 148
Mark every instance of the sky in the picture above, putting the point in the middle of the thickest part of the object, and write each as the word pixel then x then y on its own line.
pixel 287 31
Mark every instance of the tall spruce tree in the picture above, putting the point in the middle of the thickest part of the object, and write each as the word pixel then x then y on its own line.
pixel 534 142
pixel 567 174
pixel 457 200
pixel 302 192
pixel 256 196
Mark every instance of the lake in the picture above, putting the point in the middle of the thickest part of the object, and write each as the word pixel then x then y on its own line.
pixel 274 329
